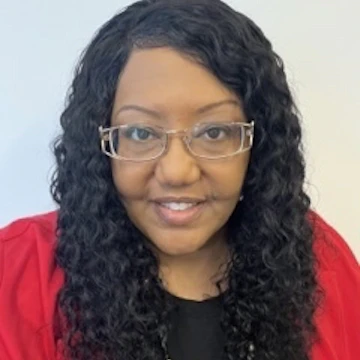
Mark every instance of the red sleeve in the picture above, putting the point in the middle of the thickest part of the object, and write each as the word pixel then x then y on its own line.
pixel 338 320
pixel 29 282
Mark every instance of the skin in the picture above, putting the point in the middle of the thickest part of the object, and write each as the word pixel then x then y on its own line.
pixel 174 86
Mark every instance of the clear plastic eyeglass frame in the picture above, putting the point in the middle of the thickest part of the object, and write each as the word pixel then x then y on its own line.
pixel 106 136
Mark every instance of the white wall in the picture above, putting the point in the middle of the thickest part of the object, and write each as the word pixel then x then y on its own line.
pixel 319 41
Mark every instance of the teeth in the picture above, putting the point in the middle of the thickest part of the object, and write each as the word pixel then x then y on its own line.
pixel 178 206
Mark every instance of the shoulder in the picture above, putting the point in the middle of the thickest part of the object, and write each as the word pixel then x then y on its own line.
pixel 17 228
pixel 26 240
pixel 28 244
pixel 332 251
pixel 29 283
pixel 338 274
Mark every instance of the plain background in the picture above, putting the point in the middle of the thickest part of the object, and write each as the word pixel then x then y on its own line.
pixel 318 40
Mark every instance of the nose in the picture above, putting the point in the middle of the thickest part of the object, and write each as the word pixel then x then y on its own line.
pixel 177 167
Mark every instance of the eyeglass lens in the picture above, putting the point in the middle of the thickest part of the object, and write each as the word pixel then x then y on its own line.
pixel 141 142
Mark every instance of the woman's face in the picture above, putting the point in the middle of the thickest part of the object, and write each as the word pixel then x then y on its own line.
pixel 173 89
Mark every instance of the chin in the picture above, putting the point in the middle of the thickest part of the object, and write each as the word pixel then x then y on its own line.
pixel 178 252
pixel 177 248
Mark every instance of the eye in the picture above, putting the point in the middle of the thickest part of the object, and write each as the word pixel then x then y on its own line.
pixel 214 132
pixel 139 133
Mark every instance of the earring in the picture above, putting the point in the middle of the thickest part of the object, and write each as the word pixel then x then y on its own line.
pixel 241 197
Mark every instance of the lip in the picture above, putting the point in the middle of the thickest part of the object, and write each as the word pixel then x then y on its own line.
pixel 178 218
pixel 182 199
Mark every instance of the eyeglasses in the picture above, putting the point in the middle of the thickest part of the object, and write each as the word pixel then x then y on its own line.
pixel 144 142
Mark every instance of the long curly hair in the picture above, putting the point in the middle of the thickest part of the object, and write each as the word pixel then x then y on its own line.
pixel 115 305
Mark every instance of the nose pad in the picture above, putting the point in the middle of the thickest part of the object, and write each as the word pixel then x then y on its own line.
pixel 180 138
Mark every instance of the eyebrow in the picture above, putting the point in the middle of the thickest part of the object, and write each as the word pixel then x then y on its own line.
pixel 157 114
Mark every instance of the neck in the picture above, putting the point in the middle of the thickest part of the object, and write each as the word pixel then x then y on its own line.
pixel 194 276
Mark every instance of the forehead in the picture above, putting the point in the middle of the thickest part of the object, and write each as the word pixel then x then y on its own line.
pixel 168 82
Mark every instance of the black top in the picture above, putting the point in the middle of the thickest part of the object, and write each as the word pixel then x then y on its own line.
pixel 196 333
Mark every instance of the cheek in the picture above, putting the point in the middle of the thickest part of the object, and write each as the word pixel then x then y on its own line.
pixel 131 179
pixel 227 180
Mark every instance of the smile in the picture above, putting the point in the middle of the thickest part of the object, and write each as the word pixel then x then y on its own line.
pixel 178 206
pixel 178 213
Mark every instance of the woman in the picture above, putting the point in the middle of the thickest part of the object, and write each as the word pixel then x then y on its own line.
pixel 183 229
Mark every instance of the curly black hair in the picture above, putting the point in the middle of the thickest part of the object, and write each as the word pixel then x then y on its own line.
pixel 114 303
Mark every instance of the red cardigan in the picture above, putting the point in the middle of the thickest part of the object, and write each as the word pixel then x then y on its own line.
pixel 30 281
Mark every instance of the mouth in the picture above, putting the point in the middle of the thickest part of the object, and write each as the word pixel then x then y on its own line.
pixel 179 212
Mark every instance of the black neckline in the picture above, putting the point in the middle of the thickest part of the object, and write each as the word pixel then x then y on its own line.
pixel 198 308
